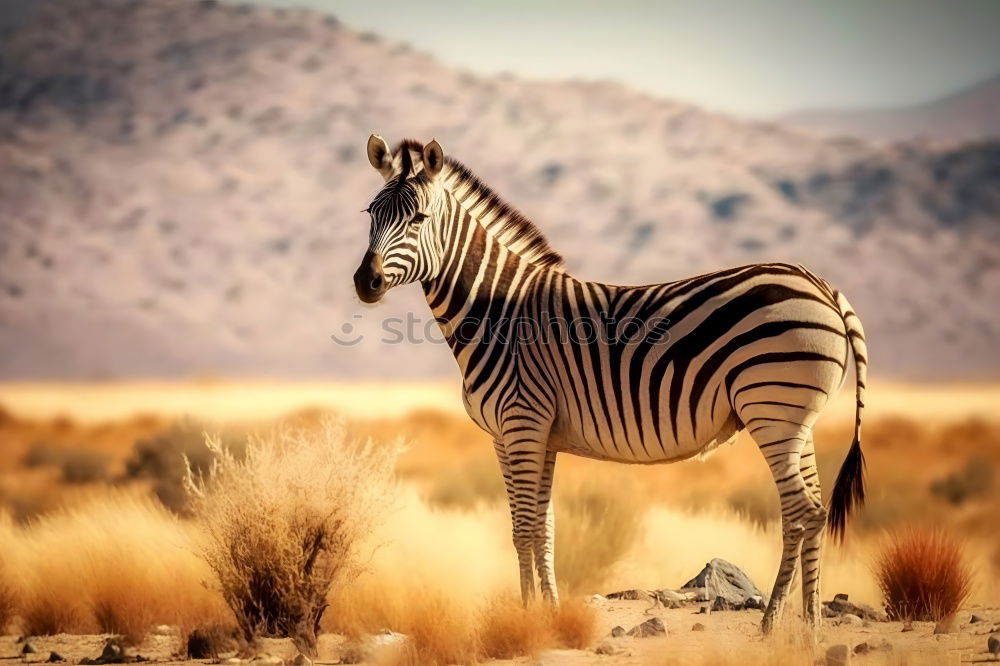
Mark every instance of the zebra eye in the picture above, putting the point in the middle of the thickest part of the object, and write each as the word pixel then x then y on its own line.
pixel 418 218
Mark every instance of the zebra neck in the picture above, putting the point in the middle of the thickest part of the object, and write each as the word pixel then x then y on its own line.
pixel 482 282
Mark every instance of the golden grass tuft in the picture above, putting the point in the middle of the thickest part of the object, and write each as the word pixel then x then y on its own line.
pixel 284 524
pixel 118 564
pixel 923 575
pixel 507 629
pixel 574 624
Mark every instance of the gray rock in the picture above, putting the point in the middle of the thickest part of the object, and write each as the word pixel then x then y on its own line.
pixel 631 595
pixel 28 648
pixel 670 598
pixel 946 625
pixel 617 632
pixel 838 655
pixel 841 606
pixel 849 619
pixel 976 618
pixel 698 626
pixel 54 657
pixel 993 645
pixel 726 586
pixel 651 627
pixel 113 653
pixel 610 648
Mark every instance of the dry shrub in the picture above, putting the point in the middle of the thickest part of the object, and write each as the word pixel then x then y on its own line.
pixel 507 629
pixel 439 632
pixel 161 458
pixel 284 524
pixel 118 564
pixel 923 575
pixel 596 525
pixel 574 624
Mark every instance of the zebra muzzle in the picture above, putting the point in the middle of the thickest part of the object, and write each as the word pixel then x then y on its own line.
pixel 369 281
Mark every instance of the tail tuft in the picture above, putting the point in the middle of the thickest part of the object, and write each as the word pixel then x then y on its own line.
pixel 848 491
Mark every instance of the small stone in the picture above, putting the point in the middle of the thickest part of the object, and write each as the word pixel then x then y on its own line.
pixel 849 619
pixel 976 618
pixel 610 648
pixel 28 648
pixel 705 610
pixel 54 657
pixel 617 632
pixel 113 652
pixel 698 626
pixel 907 626
pixel 993 645
pixel 841 597
pixel 945 625
pixel 838 655
pixel 862 648
pixel 631 595
pixel 301 660
pixel 651 627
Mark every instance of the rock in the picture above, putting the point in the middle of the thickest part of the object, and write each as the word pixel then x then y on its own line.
pixel 907 626
pixel 670 598
pixel 54 657
pixel 365 650
pixel 210 642
pixel 863 648
pixel 698 626
pixel 946 625
pixel 302 660
pixel 705 610
pixel 841 606
pixel 28 648
pixel 610 648
pixel 113 652
pixel 617 632
pixel 976 618
pixel 726 586
pixel 267 660
pixel 631 595
pixel 838 655
pixel 993 645
pixel 849 619
pixel 651 627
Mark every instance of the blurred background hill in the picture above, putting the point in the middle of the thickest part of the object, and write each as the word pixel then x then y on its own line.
pixel 181 186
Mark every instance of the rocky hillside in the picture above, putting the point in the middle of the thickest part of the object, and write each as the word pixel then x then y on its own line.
pixel 968 115
pixel 181 186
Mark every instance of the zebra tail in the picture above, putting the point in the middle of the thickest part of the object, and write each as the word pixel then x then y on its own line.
pixel 849 489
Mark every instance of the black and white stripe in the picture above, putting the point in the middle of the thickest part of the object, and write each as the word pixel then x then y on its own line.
pixel 675 370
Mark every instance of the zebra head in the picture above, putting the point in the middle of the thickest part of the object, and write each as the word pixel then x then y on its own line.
pixel 405 241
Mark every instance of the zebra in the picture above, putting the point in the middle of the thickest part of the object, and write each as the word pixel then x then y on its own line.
pixel 760 348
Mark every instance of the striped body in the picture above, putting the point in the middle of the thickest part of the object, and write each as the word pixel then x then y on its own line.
pixel 645 374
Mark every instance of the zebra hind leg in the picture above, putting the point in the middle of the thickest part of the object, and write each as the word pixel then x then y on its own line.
pixel 812 543
pixel 782 443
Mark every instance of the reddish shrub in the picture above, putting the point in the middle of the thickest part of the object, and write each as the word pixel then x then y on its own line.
pixel 923 575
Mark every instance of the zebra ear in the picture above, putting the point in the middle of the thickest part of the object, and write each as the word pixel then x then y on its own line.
pixel 379 156
pixel 433 158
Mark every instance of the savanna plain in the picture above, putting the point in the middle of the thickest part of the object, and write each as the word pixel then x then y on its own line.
pixel 363 522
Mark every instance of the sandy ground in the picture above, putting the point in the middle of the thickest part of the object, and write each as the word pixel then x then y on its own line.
pixel 728 637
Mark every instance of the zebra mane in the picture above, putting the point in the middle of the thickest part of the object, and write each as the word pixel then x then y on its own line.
pixel 504 222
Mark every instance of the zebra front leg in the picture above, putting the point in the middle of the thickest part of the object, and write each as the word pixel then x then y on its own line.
pixel 523 541
pixel 545 532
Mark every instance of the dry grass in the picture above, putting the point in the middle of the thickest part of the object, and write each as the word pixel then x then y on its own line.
pixel 596 525
pixel 923 575
pixel 574 624
pixel 285 523
pixel 118 564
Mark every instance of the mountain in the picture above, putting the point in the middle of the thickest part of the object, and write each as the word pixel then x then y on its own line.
pixel 972 114
pixel 181 186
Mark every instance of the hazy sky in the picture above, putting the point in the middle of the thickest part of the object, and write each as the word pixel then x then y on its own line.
pixel 742 56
